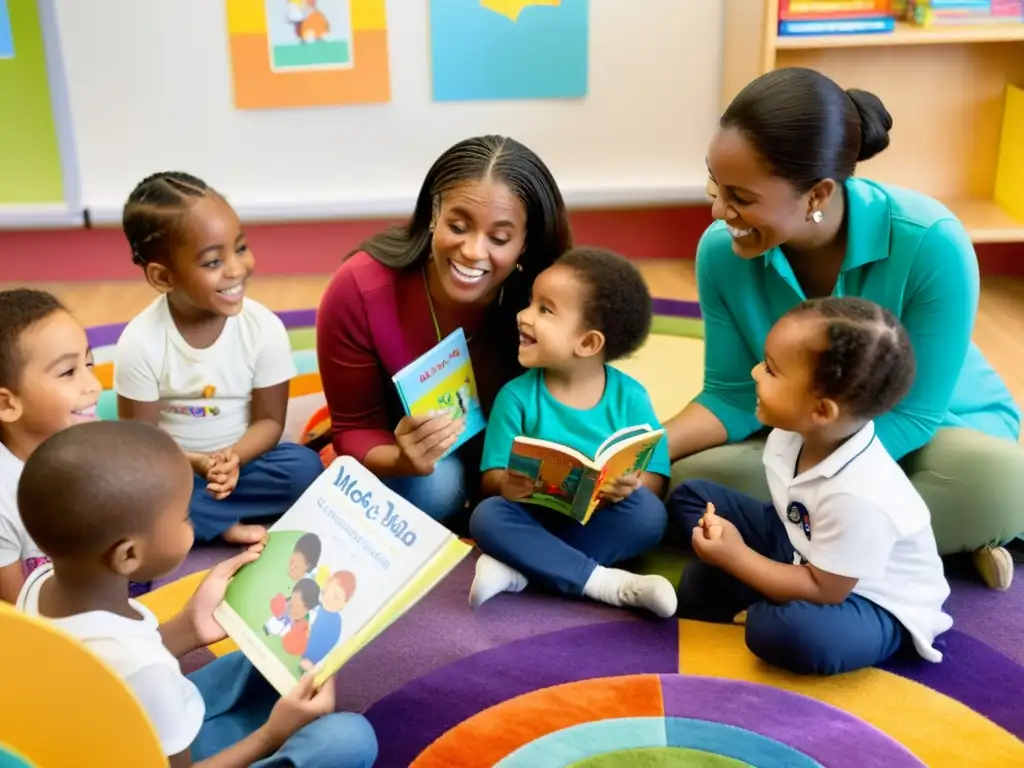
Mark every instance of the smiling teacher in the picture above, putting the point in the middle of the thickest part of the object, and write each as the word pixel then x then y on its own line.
pixel 793 223
pixel 489 218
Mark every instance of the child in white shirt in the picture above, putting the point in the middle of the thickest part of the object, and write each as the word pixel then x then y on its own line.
pixel 841 569
pixel 46 385
pixel 109 502
pixel 207 364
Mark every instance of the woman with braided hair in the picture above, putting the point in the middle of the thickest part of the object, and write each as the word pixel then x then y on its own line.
pixel 792 224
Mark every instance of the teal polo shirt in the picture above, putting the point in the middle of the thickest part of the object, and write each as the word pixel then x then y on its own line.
pixel 906 252
pixel 525 407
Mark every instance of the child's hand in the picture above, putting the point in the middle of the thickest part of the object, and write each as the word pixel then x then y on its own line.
pixel 516 486
pixel 210 593
pixel 621 488
pixel 299 708
pixel 222 475
pixel 715 540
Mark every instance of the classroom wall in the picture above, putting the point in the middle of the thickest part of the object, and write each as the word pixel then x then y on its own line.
pixel 150 88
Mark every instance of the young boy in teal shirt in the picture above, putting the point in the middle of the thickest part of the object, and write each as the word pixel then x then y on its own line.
pixel 590 308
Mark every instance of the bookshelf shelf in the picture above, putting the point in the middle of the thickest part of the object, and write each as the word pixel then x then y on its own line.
pixel 909 34
pixel 945 89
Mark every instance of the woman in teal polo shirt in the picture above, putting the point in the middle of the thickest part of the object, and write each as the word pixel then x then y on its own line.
pixel 792 223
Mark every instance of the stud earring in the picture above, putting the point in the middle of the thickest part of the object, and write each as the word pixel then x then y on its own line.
pixel 519 267
pixel 817 216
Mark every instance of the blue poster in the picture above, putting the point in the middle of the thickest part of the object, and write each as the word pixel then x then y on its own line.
pixel 6 36
pixel 509 49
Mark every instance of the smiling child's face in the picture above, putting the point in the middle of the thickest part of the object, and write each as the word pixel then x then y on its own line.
pixel 297 566
pixel 333 597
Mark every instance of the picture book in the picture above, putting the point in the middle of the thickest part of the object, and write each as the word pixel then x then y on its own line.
pixel 569 482
pixel 347 560
pixel 442 379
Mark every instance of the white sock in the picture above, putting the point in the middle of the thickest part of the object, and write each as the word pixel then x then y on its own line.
pixel 625 589
pixel 492 578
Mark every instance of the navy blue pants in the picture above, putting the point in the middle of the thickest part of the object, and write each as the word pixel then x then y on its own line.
pixel 267 487
pixel 238 701
pixel 556 552
pixel 802 637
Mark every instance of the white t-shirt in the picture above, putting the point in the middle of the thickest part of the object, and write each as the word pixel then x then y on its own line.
pixel 15 543
pixel 866 521
pixel 205 394
pixel 133 649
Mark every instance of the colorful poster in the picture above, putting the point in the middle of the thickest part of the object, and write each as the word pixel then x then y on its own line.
pixel 6 34
pixel 31 171
pixel 308 53
pixel 509 49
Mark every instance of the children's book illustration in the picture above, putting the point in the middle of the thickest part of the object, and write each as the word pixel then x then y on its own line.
pixel 569 482
pixel 339 567
pixel 442 380
pixel 309 34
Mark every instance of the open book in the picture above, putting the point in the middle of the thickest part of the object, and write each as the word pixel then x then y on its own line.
pixel 339 567
pixel 571 483
pixel 441 379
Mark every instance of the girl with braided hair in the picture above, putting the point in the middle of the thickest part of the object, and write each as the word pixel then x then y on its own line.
pixel 840 570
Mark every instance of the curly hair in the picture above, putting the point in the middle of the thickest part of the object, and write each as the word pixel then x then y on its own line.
pixel 152 215
pixel 617 302
pixel 20 309
pixel 867 361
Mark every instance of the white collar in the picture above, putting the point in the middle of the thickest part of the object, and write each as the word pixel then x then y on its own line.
pixel 783 459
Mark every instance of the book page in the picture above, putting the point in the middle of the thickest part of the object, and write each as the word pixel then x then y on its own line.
pixel 557 474
pixel 345 548
pixel 631 455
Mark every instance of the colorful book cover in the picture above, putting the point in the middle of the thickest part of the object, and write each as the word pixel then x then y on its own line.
pixel 442 380
pixel 829 9
pixel 876 25
pixel 567 481
pixel 347 560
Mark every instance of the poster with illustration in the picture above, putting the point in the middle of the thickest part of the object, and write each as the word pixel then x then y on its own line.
pixel 309 34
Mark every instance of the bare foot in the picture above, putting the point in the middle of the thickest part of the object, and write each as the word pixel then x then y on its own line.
pixel 240 533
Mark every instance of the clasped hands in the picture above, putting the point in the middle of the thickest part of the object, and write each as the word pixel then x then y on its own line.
pixel 220 469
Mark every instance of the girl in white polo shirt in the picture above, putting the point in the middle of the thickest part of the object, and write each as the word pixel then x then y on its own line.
pixel 840 570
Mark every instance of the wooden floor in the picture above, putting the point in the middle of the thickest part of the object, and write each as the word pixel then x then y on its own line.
pixel 999 330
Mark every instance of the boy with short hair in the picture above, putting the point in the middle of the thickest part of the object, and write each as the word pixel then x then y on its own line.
pixel 46 385
pixel 109 502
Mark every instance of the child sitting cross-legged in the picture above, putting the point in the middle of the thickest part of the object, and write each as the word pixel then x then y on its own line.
pixel 208 364
pixel 840 570
pixel 46 385
pixel 591 307
pixel 109 502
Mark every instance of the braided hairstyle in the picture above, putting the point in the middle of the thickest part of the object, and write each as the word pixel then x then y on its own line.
pixel 152 216
pixel 867 361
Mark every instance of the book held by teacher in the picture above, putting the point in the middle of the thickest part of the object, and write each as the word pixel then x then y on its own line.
pixel 348 559
pixel 442 380
pixel 568 482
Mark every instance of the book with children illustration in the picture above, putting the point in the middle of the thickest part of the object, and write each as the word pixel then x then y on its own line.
pixel 567 481
pixel 442 379
pixel 339 567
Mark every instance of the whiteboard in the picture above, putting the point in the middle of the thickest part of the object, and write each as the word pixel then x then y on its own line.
pixel 150 89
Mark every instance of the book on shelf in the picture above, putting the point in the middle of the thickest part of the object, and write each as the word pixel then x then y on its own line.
pixel 946 13
pixel 835 17
pixel 348 559
pixel 442 380
pixel 567 481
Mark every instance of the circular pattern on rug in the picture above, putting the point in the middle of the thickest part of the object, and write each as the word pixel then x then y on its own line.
pixel 612 694
pixel 667 718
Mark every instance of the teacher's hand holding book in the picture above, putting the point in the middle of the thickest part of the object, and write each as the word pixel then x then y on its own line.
pixel 425 439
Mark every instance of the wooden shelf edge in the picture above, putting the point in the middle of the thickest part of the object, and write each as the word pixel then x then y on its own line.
pixel 987 222
pixel 908 34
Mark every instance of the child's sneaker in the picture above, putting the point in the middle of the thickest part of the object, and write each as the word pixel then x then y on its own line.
pixel 995 564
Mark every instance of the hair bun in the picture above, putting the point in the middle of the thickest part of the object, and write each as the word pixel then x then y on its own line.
pixel 875 123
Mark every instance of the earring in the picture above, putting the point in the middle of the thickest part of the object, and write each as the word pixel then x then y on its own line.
pixel 817 216
pixel 519 267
